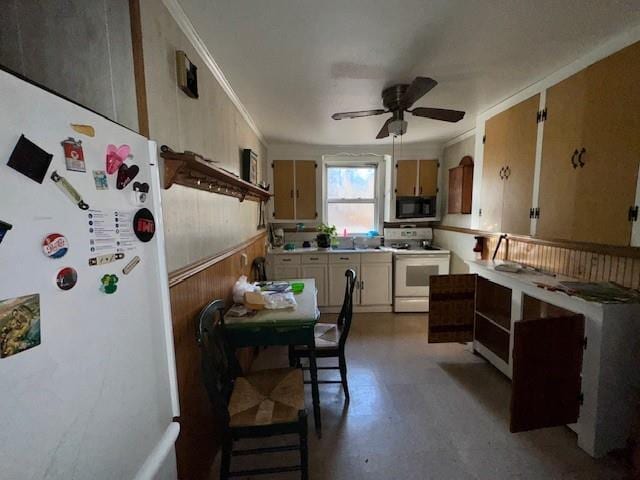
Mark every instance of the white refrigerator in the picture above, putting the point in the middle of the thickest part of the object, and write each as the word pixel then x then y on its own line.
pixel 87 368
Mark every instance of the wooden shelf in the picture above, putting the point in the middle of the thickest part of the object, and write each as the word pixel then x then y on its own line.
pixel 192 170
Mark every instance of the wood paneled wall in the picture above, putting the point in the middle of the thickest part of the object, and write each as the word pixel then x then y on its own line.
pixel 595 264
pixel 191 289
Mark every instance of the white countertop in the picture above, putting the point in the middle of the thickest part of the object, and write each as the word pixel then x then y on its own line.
pixel 282 251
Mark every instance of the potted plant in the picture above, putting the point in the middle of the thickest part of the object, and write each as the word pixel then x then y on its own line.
pixel 326 235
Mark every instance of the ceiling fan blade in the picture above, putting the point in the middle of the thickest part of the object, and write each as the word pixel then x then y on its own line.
pixel 418 88
pixel 363 113
pixel 384 131
pixel 438 114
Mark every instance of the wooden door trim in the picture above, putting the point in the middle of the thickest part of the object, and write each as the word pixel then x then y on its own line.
pixel 135 19
pixel 181 274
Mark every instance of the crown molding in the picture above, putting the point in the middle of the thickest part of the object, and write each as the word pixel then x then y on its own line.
pixel 181 18
pixel 459 138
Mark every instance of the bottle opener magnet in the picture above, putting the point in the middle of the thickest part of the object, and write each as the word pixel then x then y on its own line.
pixel 68 190
pixel 131 265
pixel 4 228
pixel 105 259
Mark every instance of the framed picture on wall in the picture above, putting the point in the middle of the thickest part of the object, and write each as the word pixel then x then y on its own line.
pixel 187 74
pixel 249 166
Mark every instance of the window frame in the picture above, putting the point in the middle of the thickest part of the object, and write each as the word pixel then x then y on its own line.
pixel 356 161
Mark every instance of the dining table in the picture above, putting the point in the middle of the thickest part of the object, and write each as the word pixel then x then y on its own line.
pixel 283 327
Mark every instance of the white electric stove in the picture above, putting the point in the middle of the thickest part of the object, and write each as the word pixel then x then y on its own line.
pixel 415 260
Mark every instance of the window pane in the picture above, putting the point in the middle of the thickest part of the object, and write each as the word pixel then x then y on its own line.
pixel 355 217
pixel 351 182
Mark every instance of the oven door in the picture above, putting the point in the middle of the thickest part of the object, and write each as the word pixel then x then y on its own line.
pixel 413 273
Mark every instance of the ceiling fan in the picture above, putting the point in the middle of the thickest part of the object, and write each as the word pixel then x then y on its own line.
pixel 397 99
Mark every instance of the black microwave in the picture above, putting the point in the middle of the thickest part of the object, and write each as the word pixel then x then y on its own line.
pixel 415 207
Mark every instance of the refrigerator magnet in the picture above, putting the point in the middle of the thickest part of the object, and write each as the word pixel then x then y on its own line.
pixel 66 188
pixel 109 283
pixel 126 174
pixel 87 130
pixel 140 192
pixel 30 160
pixel 67 278
pixel 105 259
pixel 144 225
pixel 4 228
pixel 100 179
pixel 131 265
pixel 55 245
pixel 116 157
pixel 73 155
pixel 19 324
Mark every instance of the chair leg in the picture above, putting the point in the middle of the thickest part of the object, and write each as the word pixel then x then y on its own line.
pixel 292 357
pixel 342 362
pixel 304 451
pixel 225 461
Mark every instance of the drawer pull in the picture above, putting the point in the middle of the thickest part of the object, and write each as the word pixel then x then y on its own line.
pixel 286 259
pixel 314 258
pixel 344 258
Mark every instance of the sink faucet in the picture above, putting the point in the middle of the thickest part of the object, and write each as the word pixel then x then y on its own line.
pixel 353 242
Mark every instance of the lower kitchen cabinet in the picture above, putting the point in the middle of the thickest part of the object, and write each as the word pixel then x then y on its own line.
pixel 570 362
pixel 286 272
pixel 375 284
pixel 319 274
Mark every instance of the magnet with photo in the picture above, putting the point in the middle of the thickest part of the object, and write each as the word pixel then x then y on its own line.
pixel 100 179
pixel 140 192
pixel 73 155
pixel 55 245
pixel 19 324
pixel 67 278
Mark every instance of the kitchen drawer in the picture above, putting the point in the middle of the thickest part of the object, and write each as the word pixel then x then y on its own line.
pixel 386 257
pixel 314 258
pixel 337 258
pixel 493 337
pixel 286 259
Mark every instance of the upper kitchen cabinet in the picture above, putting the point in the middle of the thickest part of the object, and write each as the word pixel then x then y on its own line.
pixel 591 153
pixel 508 168
pixel 294 185
pixel 417 178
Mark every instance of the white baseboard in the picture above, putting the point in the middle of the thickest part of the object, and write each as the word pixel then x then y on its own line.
pixel 359 309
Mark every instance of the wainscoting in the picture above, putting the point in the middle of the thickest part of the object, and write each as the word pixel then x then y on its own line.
pixel 191 289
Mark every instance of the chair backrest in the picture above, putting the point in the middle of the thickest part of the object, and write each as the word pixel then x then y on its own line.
pixel 216 370
pixel 346 312
pixel 259 271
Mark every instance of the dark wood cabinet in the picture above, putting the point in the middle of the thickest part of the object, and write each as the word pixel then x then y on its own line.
pixel 546 360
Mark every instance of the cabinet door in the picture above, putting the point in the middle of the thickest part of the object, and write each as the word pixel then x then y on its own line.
pixel 451 308
pixel 547 362
pixel 338 281
pixel 306 190
pixel 406 178
pixel 495 157
pixel 286 272
pixel 375 284
pixel 283 189
pixel 428 178
pixel 319 273
pixel 520 159
pixel 563 132
pixel 607 181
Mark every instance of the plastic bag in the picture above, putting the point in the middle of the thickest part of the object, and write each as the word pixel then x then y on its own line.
pixel 276 301
pixel 241 286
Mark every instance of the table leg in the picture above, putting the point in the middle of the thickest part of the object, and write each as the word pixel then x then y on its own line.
pixel 315 393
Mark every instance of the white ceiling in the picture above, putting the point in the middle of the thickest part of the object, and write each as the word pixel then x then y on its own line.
pixel 293 63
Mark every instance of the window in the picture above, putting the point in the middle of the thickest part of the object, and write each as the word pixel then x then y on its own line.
pixel 351 196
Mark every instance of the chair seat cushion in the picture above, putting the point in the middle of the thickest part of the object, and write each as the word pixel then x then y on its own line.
pixel 267 397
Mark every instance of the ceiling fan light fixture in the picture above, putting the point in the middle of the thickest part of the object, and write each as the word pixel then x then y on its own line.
pixel 398 127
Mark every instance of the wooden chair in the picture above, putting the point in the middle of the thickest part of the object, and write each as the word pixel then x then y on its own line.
pixel 261 404
pixel 332 338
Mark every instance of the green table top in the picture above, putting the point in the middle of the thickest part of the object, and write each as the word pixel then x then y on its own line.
pixel 305 314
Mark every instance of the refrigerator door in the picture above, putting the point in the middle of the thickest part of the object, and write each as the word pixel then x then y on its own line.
pixel 87 373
